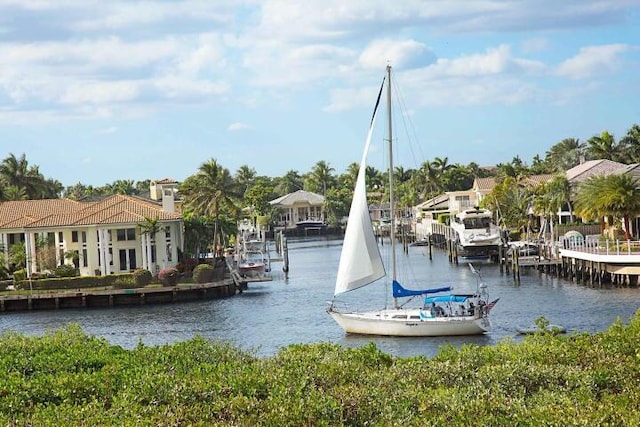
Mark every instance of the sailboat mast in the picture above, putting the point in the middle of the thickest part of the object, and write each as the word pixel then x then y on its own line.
pixel 392 231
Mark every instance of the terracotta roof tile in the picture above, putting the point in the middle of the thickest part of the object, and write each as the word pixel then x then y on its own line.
pixel 535 180
pixel 115 209
pixel 483 184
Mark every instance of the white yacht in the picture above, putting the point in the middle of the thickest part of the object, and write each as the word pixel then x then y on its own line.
pixel 476 233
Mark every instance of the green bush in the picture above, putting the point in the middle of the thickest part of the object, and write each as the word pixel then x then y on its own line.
pixel 141 277
pixel 125 281
pixel 66 270
pixel 19 275
pixel 68 378
pixel 203 273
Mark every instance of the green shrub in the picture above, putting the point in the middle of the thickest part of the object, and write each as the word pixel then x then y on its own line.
pixel 19 275
pixel 203 273
pixel 66 270
pixel 125 281
pixel 141 277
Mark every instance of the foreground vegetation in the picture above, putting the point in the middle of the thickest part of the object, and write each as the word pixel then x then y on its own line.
pixel 69 378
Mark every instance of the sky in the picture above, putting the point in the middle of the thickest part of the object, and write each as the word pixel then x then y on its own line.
pixel 93 91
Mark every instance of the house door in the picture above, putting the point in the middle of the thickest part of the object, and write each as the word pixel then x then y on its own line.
pixel 127 259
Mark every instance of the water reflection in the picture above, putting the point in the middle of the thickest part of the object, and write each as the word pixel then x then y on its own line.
pixel 291 310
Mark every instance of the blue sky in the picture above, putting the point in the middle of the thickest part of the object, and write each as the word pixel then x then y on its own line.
pixel 93 91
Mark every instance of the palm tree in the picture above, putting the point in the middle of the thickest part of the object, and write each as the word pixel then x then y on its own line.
pixel 148 230
pixel 321 176
pixel 616 195
pixel 290 182
pixel 427 179
pixel 603 146
pixel 245 176
pixel 212 192
pixel 16 172
pixel 13 192
pixel 198 233
pixel 631 144
pixel 123 186
pixel 565 154
pixel 549 197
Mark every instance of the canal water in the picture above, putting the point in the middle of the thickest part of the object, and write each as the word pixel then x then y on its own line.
pixel 291 310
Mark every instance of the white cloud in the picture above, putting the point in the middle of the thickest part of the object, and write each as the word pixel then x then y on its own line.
pixel 238 126
pixel 96 92
pixel 492 62
pixel 399 53
pixel 592 61
pixel 108 131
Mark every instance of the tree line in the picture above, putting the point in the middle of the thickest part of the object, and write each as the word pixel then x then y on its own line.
pixel 214 198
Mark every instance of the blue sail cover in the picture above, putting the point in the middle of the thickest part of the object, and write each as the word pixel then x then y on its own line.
pixel 400 292
pixel 445 298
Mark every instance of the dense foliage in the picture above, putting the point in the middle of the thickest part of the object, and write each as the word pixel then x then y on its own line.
pixel 69 378
pixel 203 273
pixel 214 199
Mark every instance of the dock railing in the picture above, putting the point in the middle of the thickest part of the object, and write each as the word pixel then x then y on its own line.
pixel 604 247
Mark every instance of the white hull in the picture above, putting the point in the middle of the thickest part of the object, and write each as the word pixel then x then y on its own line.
pixel 408 323
pixel 252 270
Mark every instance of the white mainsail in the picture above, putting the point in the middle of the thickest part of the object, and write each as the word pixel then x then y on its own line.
pixel 360 260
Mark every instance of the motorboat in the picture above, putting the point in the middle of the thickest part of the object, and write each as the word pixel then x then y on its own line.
pixel 476 233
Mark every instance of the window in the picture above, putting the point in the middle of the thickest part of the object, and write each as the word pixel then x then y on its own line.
pixel 74 236
pixel 124 234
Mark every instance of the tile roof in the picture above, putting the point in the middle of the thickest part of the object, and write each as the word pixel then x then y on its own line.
pixel 299 196
pixel 441 201
pixel 116 209
pixel 164 181
pixel 535 180
pixel 593 168
pixel 484 184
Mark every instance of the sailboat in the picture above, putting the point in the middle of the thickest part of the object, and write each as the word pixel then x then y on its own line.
pixel 441 312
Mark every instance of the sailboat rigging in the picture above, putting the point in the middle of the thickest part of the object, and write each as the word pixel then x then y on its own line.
pixel 441 313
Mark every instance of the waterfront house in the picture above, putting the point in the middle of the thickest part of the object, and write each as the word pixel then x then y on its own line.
pixel 298 207
pixel 98 237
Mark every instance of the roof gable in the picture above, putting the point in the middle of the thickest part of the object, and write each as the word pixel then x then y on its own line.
pixel 299 197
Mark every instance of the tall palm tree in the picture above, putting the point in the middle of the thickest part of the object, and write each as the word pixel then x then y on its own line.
pixel 566 154
pixel 603 146
pixel 13 192
pixel 631 144
pixel 15 171
pixel 290 182
pixel 244 177
pixel 616 195
pixel 321 176
pixel 348 179
pixel 427 179
pixel 549 197
pixel 212 192
pixel 123 186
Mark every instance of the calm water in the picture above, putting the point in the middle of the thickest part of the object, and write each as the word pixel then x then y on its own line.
pixel 271 315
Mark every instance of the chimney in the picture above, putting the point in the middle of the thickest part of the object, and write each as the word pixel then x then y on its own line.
pixel 168 200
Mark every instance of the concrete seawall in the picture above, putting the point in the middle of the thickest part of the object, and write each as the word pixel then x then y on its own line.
pixel 117 297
